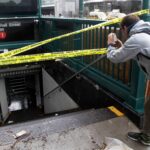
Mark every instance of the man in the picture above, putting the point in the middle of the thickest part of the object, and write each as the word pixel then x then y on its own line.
pixel 137 46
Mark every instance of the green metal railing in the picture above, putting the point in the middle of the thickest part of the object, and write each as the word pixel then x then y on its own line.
pixel 125 79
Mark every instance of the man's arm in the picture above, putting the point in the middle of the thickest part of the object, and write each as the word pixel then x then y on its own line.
pixel 128 51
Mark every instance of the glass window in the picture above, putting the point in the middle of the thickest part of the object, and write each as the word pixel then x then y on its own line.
pixel 18 7
pixel 112 8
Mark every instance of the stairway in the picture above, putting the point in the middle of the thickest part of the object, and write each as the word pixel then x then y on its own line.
pixel 17 86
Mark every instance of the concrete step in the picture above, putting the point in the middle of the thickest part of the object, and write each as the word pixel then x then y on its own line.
pixel 71 120
pixel 59 123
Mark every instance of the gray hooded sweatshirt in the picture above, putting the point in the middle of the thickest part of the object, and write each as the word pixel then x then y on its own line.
pixel 136 47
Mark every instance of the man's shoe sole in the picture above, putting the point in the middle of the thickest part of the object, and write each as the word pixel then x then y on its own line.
pixel 132 138
pixel 137 140
pixel 147 144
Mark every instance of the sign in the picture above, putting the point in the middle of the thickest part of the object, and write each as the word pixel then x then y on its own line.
pixel 2 35
pixel 16 30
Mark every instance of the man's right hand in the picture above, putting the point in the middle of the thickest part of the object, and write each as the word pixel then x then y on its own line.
pixel 117 44
pixel 113 40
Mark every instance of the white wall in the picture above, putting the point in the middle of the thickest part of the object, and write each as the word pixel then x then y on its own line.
pixel 48 2
pixel 3 99
pixel 67 8
pixel 58 100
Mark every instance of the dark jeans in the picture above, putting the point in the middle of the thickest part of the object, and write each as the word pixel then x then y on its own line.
pixel 146 126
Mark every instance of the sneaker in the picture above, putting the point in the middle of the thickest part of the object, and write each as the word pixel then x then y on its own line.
pixel 140 137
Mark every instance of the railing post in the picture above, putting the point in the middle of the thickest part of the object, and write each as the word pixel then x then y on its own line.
pixel 138 82
pixel 146 5
pixel 39 8
pixel 80 8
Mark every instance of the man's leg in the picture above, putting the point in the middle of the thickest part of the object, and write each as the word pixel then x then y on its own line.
pixel 146 127
pixel 144 136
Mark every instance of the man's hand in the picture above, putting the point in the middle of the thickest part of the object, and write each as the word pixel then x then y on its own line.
pixel 113 40
pixel 117 44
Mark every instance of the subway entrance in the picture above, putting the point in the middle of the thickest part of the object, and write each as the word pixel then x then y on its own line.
pixel 34 92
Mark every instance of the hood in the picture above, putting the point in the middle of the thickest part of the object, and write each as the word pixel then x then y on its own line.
pixel 140 27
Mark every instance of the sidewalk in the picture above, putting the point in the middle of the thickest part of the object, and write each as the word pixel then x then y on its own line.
pixel 87 137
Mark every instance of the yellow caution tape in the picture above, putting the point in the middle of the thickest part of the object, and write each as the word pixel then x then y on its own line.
pixel 35 45
pixel 50 56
